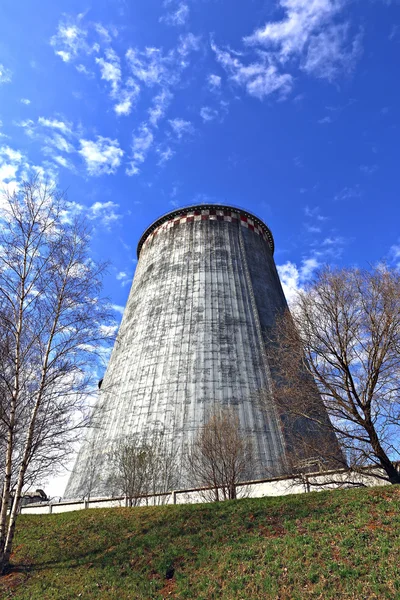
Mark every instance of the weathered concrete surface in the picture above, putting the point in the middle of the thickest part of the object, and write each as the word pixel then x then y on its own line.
pixel 205 292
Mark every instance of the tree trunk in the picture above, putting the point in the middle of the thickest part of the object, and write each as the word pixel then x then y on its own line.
pixel 386 464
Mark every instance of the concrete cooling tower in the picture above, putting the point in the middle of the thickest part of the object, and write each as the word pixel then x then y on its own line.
pixel 192 338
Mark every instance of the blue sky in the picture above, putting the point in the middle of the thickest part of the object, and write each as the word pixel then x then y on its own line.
pixel 288 108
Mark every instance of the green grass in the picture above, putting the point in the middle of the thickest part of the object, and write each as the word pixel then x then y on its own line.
pixel 341 544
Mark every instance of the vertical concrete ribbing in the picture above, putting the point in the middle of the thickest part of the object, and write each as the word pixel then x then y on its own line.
pixel 191 339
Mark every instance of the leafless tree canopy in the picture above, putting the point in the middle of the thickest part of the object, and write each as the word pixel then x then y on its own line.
pixel 52 330
pixel 342 344
pixel 142 466
pixel 220 456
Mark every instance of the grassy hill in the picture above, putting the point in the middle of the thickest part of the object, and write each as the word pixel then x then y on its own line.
pixel 341 544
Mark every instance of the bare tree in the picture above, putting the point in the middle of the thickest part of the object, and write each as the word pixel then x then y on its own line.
pixel 220 455
pixel 341 351
pixel 52 328
pixel 144 466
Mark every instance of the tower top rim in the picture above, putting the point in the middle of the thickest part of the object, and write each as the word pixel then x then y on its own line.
pixel 187 209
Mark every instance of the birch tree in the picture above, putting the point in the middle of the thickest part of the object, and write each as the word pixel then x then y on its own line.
pixel 52 330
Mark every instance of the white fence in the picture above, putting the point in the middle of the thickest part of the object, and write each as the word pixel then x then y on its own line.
pixel 279 486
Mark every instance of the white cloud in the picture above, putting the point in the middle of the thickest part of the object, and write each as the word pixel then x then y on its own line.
pixel 141 144
pixel 165 155
pixel 330 54
pixel 308 266
pixel 5 74
pixel 347 193
pixel 314 213
pixel 188 43
pixel 105 212
pixel 64 162
pixel 126 97
pixel 27 125
pixel 102 156
pixel 55 124
pixel 25 101
pixel 70 39
pixel 208 114
pixel 291 34
pixel 103 32
pixel 260 79
pixel 394 255
pixel 82 69
pixel 180 127
pixel 110 69
pixel 14 167
pixel 160 104
pixel 149 66
pixel 310 34
pixel 177 17
pixel 312 228
pixel 325 120
pixel 290 280
pixel 65 56
pixel 124 278
pixel 214 82
pixel 59 142
pixel 119 309
pixel 293 277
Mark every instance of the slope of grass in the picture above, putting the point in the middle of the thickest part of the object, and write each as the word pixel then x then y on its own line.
pixel 341 544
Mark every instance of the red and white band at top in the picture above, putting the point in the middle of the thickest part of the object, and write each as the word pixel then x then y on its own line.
pixel 211 215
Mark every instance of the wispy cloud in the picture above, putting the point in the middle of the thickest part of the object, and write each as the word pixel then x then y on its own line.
pixel 181 128
pixel 5 74
pixel 208 114
pixel 260 78
pixel 25 101
pixel 325 120
pixel 159 106
pixel 312 228
pixel 71 39
pixel 348 193
pixel 314 213
pixel 126 75
pixel 102 156
pixel 179 14
pixel 368 169
pixel 64 162
pixel 104 213
pixel 165 154
pixel 141 144
pixel 311 37
pixel 214 82
pixel 124 278
pixel 110 69
pixel 330 53
pixel 55 124
pixel 309 33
